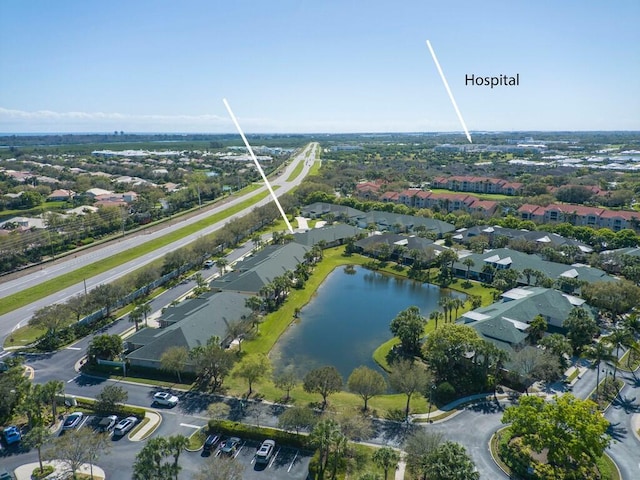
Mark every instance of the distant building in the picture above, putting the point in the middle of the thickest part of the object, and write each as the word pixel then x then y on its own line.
pixel 61 195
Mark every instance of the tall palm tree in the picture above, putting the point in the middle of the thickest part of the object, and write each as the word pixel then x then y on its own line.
pixel 135 316
pixel 468 262
pixel 51 391
pixel 435 316
pixel 598 353
pixel 145 309
pixel 221 263
pixel 619 338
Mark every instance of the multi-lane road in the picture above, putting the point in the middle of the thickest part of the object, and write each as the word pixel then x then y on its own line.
pixel 20 316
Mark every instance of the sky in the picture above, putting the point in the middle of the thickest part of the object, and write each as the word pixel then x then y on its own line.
pixel 310 66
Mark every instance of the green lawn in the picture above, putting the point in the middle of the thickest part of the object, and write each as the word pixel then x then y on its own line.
pixel 296 171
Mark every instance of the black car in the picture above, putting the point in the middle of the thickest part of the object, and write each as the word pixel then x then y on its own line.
pixel 212 442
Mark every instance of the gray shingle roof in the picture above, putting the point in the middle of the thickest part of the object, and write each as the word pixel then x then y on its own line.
pixel 190 324
pixel 329 234
pixel 255 272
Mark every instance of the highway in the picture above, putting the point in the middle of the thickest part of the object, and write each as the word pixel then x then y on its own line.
pixel 19 317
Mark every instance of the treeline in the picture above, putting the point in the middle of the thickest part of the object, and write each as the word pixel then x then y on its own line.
pixel 61 321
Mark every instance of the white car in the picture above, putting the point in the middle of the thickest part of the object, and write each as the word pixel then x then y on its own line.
pixel 124 426
pixel 265 452
pixel 73 421
pixel 166 399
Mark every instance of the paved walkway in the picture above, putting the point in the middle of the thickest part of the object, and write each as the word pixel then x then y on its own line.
pixel 154 419
pixel 23 472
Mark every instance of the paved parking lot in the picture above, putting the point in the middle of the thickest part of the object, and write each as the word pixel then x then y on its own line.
pixel 286 464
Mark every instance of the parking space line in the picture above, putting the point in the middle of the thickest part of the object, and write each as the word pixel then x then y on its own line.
pixel 69 381
pixel 238 451
pixel 273 459
pixel 293 461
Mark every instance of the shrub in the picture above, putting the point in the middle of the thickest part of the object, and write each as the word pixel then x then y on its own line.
pixel 445 392
pixel 227 427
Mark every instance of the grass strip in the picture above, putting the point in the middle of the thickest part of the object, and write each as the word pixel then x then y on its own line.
pixel 296 171
pixel 30 295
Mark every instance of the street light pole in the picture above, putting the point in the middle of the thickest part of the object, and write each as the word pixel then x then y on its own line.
pixel 431 389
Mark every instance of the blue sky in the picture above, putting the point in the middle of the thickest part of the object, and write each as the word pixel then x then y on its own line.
pixel 316 66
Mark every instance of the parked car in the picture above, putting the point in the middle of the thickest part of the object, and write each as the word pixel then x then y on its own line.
pixel 124 426
pixel 4 475
pixel 166 399
pixel 212 442
pixel 265 452
pixel 73 421
pixel 107 423
pixel 12 434
pixel 230 445
pixel 209 264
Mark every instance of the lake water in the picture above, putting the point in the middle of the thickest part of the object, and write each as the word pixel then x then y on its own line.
pixel 348 318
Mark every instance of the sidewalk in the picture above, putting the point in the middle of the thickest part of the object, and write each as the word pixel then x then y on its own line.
pixel 154 420
pixel 23 472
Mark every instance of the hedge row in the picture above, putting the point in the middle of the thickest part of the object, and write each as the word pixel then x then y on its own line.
pixel 227 427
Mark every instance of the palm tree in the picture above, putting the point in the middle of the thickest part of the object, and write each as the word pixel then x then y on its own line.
pixel 145 309
pixel 221 263
pixel 176 444
pixel 598 353
pixel 457 304
pixel 387 459
pixel 435 316
pixel 135 316
pixel 619 338
pixel 468 262
pixel 50 392
pixel 444 304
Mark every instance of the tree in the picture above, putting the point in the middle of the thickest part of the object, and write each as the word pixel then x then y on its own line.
pixel 73 449
pixel 387 459
pixel 174 360
pixel 598 353
pixel 297 418
pixel 324 380
pixel 150 464
pixel 175 445
pixel 447 348
pixel 367 383
pixel 468 262
pixel 99 445
pixel 408 326
pixel 409 378
pixel 581 328
pixel 252 369
pixel 221 263
pixel 558 345
pixel 135 316
pixel 619 338
pixel 111 398
pixel 212 362
pixel 235 329
pixel 450 461
pixel 145 310
pixel 533 364
pixel 38 437
pixel 220 468
pixel 573 430
pixel 324 436
pixel 14 387
pixel 615 297
pixel 52 318
pixel 435 315
pixel 106 296
pixel 50 392
pixel 106 347
pixel 419 446
pixel 286 380
pixel 536 329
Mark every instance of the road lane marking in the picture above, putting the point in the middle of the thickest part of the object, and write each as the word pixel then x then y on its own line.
pixel 71 380
pixel 73 348
pixel 190 426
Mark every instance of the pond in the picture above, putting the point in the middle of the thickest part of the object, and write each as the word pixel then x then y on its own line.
pixel 348 318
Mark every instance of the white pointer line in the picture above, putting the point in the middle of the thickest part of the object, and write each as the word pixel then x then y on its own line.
pixel 446 86
pixel 255 160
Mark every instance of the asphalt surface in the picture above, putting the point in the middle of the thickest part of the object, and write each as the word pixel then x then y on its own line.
pixel 19 317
